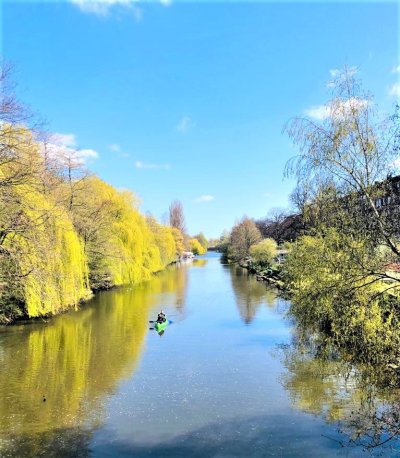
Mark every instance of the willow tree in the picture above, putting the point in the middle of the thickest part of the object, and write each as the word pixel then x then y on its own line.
pixel 179 240
pixel 202 240
pixel 42 265
pixel 119 245
pixel 196 247
pixel 63 232
pixel 164 240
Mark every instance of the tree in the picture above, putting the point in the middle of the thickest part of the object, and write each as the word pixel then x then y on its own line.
pixel 243 236
pixel 179 241
pixel 280 225
pixel 223 244
pixel 333 295
pixel 64 232
pixel 195 247
pixel 42 267
pixel 176 216
pixel 164 240
pixel 263 253
pixel 350 152
pixel 202 240
pixel 340 276
pixel 119 245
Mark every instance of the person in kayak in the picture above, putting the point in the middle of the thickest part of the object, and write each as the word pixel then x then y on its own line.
pixel 161 317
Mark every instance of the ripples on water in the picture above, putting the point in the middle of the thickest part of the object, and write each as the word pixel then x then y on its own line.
pixel 223 380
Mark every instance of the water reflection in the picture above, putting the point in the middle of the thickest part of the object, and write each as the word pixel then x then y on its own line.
pixel 59 374
pixel 211 393
pixel 368 415
pixel 200 262
pixel 250 294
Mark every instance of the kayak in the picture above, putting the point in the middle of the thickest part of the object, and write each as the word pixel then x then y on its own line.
pixel 160 326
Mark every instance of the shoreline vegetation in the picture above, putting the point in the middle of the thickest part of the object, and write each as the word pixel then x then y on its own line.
pixel 64 232
pixel 336 253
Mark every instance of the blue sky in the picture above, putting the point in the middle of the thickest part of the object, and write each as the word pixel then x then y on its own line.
pixel 181 100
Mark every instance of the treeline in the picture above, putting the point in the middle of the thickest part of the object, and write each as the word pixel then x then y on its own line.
pixel 198 244
pixel 63 231
pixel 245 245
pixel 343 262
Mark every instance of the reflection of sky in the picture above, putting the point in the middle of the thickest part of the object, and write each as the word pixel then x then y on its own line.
pixel 212 385
pixel 209 380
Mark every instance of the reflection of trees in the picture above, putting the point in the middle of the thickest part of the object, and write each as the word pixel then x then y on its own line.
pixel 366 413
pixel 172 283
pixel 199 262
pixel 249 293
pixel 54 376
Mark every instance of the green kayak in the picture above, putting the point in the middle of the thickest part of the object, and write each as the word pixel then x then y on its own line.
pixel 160 326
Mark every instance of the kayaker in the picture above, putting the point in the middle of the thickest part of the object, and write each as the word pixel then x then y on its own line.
pixel 161 317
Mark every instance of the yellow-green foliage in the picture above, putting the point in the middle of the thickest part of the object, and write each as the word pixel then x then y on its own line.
pixel 243 236
pixel 196 248
pixel 121 247
pixel 332 292
pixel 101 345
pixel 39 244
pixel 50 258
pixel 164 241
pixel 202 240
pixel 58 242
pixel 179 240
pixel 264 252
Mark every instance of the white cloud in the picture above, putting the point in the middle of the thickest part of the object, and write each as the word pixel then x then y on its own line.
pixel 63 148
pixel 103 7
pixel 396 69
pixel 204 198
pixel 395 90
pixel 143 165
pixel 350 71
pixel 115 148
pixel 319 112
pixel 353 103
pixel 65 140
pixel 184 124
pixel 84 156
pixel 338 109
pixel 340 74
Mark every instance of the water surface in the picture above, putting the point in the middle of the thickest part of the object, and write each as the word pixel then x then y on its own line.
pixel 223 380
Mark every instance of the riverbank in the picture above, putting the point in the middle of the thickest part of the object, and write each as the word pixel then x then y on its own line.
pixel 363 339
pixel 272 275
pixel 110 383
pixel 25 319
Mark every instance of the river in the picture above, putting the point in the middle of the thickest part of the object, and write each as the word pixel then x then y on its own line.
pixel 223 380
